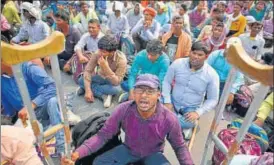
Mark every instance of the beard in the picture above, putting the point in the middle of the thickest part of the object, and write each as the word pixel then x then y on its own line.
pixel 196 63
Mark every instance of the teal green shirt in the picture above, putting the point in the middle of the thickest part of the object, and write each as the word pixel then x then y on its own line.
pixel 142 65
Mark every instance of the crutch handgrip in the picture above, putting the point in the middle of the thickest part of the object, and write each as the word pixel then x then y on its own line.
pixel 15 54
pixel 53 130
pixel 238 57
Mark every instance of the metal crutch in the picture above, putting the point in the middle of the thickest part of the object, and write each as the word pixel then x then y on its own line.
pixel 262 73
pixel 15 55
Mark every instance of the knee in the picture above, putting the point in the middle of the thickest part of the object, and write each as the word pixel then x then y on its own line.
pixel 97 160
pixel 53 104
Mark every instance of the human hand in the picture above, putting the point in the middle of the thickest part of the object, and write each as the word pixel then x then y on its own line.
pixel 23 114
pixel 12 42
pixel 67 68
pixel 259 122
pixel 46 60
pixel 191 116
pixel 89 96
pixel 83 59
pixel 230 99
pixel 102 62
pixel 66 161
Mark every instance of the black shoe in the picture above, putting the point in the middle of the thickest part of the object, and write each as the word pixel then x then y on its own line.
pixel 80 91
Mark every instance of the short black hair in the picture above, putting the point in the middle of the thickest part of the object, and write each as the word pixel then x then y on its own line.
pixel 83 3
pixel 220 24
pixel 63 15
pixel 219 18
pixel 176 17
pixel 108 43
pixel 268 58
pixel 239 3
pixel 184 7
pixel 155 47
pixel 198 45
pixel 94 21
pixel 216 10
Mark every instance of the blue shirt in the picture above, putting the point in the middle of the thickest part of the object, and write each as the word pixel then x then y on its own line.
pixel 217 60
pixel 190 86
pixel 101 6
pixel 162 18
pixel 33 33
pixel 257 15
pixel 41 88
pixel 142 65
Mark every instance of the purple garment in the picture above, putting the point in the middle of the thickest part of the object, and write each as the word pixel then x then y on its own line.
pixel 268 26
pixel 143 136
pixel 196 18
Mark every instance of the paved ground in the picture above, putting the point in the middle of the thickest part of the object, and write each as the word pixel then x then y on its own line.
pixel 84 110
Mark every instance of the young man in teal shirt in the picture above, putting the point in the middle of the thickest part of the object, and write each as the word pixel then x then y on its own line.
pixel 152 60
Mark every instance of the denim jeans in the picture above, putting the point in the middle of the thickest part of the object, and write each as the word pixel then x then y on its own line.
pixel 49 114
pixel 124 86
pixel 100 86
pixel 180 114
pixel 121 155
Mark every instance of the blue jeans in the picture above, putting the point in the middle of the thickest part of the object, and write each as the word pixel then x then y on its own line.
pixel 100 86
pixel 49 114
pixel 121 155
pixel 124 86
pixel 180 114
pixel 222 86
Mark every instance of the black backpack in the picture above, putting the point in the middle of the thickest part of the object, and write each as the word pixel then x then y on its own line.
pixel 89 127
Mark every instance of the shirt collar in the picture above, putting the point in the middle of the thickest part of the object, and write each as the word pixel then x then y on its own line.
pixel 100 35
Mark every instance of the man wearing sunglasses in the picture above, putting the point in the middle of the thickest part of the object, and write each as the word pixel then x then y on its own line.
pixel 146 123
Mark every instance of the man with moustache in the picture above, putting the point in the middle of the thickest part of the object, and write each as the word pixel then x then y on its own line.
pixel 186 83
pixel 146 123
pixel 72 35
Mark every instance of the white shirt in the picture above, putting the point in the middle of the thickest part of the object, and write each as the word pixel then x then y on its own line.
pixel 118 25
pixel 254 48
pixel 92 43
pixel 33 33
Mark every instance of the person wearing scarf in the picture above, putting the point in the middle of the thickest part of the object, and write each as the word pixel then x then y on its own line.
pixel 134 15
pixel 236 21
pixel 183 45
pixel 217 39
pixel 207 30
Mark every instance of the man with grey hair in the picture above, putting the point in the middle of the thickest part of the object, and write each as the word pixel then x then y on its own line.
pixel 152 60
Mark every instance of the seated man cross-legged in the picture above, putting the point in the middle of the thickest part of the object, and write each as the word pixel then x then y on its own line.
pixel 146 123
pixel 111 67
pixel 42 92
pixel 186 83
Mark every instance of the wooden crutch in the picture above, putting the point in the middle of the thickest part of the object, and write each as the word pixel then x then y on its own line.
pixel 237 57
pixel 15 55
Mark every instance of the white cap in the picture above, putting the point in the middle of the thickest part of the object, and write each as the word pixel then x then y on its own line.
pixel 161 5
pixel 119 5
pixel 250 19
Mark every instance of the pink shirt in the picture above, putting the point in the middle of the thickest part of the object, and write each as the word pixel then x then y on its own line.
pixel 17 146
pixel 4 24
